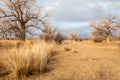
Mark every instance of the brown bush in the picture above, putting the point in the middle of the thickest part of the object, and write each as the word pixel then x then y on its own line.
pixel 58 38
pixel 79 39
pixel 47 37
pixel 98 39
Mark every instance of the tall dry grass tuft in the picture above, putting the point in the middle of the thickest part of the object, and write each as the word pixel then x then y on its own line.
pixel 27 60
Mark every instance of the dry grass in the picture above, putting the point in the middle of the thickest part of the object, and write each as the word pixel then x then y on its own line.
pixel 73 60
pixel 93 61
pixel 26 60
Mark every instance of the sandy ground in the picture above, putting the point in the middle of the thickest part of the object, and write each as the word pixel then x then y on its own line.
pixel 84 61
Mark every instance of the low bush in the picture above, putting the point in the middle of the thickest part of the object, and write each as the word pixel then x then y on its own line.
pixel 48 37
pixel 58 38
pixel 98 39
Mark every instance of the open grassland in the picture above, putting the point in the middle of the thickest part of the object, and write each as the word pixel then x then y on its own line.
pixel 73 60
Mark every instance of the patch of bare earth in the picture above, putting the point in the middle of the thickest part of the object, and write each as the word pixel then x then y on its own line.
pixel 84 61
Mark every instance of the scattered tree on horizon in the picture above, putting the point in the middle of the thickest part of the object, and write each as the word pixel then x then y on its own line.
pixel 105 26
pixel 74 35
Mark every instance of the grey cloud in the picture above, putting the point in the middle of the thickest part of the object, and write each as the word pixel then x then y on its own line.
pixel 71 14
pixel 82 27
pixel 81 10
pixel 77 13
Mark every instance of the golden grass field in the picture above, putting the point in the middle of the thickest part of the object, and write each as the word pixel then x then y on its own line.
pixel 72 60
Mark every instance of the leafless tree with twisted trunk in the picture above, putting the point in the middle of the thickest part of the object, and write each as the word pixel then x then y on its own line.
pixel 23 15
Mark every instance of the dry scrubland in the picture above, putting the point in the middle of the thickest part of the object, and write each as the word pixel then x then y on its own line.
pixel 73 60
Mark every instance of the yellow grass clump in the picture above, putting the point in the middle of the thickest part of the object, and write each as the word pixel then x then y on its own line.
pixel 27 60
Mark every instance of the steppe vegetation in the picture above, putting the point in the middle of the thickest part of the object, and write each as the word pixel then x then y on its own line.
pixel 53 54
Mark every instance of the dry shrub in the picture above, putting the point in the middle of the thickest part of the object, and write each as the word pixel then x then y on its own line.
pixel 81 39
pixel 67 49
pixel 58 38
pixel 98 39
pixel 27 60
pixel 47 37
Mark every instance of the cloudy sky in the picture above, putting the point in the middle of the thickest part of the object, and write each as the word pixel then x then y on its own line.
pixel 74 15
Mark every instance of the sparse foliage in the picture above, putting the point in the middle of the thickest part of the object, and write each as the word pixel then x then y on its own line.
pixel 49 33
pixel 105 26
pixel 74 35
pixel 4 30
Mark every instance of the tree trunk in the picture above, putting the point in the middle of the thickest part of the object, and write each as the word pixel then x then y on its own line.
pixel 108 39
pixel 23 34
pixel 22 37
pixel 5 36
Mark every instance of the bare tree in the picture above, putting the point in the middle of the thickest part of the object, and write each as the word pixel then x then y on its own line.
pixel 105 26
pixel 49 32
pixel 74 35
pixel 22 15
pixel 52 33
